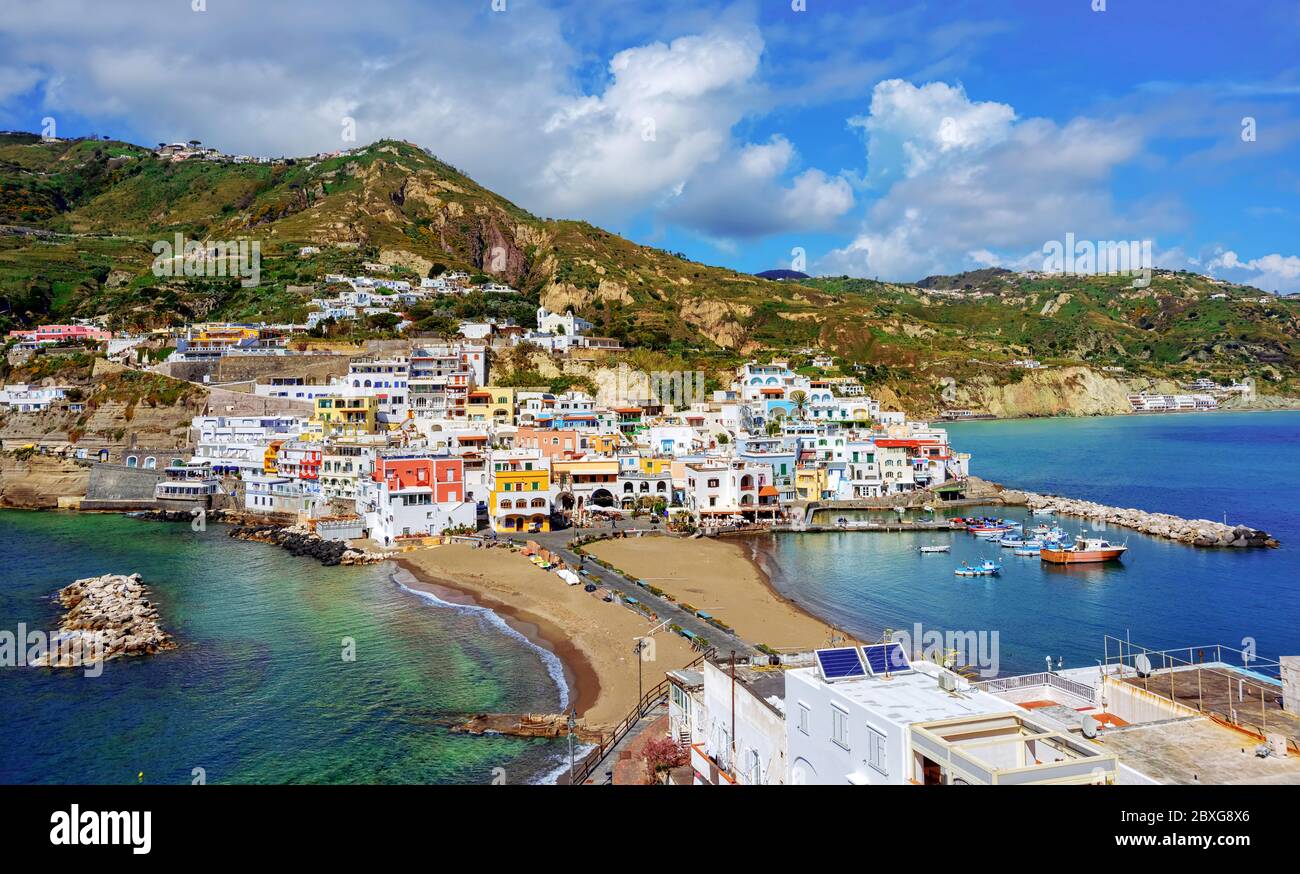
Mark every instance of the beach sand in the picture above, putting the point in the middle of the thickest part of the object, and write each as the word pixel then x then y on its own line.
pixel 718 577
pixel 593 639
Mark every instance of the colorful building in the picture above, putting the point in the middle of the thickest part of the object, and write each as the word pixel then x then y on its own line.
pixel 490 404
pixel 519 497
pixel 347 415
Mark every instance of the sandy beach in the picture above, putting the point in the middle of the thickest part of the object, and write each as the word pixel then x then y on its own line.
pixel 593 639
pixel 718 577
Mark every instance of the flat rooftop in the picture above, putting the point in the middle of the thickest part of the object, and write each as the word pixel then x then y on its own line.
pixel 911 697
pixel 1196 750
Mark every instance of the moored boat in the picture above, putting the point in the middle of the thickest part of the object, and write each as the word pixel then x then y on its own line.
pixel 986 568
pixel 1085 550
pixel 939 547
pixel 1027 550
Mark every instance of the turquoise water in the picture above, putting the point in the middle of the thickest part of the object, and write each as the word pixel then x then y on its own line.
pixel 1163 594
pixel 259 691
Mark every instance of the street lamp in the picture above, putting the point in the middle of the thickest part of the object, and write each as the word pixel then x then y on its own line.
pixel 573 723
pixel 637 648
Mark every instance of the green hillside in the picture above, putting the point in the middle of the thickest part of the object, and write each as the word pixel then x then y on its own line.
pixel 80 219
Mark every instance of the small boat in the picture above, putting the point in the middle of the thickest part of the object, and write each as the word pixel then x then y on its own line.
pixel 1043 511
pixel 957 522
pixel 1085 550
pixel 1027 550
pixel 1041 530
pixel 941 547
pixel 1008 541
pixel 985 568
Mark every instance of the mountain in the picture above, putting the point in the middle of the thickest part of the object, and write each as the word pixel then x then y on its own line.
pixel 78 220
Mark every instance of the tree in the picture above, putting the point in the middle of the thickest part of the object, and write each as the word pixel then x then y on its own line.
pixel 664 754
pixel 799 398
pixel 772 428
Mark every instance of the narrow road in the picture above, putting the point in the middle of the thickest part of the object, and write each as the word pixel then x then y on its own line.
pixel 559 543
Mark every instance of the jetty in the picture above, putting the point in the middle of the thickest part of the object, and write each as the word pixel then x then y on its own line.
pixel 1193 532
pixel 973 491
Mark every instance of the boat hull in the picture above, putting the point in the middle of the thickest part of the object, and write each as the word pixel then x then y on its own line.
pixel 1080 556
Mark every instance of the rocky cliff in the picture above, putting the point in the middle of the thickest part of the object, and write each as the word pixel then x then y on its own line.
pixel 40 481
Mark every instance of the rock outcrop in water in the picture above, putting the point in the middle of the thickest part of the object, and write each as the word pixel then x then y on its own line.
pixel 300 541
pixel 113 611
pixel 1194 532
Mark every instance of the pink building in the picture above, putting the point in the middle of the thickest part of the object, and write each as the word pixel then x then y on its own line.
pixel 60 333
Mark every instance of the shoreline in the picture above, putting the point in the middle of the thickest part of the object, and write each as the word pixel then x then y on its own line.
pixel 591 639
pixel 723 579
pixel 766 567
pixel 580 677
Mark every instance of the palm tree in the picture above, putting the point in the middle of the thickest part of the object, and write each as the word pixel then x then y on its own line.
pixel 799 398
pixel 773 428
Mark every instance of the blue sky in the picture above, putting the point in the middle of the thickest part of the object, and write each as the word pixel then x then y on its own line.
pixel 876 139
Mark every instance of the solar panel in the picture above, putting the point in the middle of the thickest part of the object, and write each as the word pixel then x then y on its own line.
pixel 837 664
pixel 886 657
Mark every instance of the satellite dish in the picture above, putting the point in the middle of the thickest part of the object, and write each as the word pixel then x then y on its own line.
pixel 1089 727
pixel 1143 665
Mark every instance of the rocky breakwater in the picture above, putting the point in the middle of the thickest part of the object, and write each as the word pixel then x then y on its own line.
pixel 1194 532
pixel 108 617
pixel 301 541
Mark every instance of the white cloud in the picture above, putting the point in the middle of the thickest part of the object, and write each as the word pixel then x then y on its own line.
pixel 1276 272
pixel 744 195
pixel 968 184
pixel 505 96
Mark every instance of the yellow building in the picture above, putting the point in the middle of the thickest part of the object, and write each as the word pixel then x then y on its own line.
pixel 340 415
pixel 810 483
pixel 520 496
pixel 652 465
pixel 269 465
pixel 490 404
pixel 605 444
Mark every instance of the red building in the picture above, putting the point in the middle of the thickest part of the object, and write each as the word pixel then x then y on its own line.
pixel 445 476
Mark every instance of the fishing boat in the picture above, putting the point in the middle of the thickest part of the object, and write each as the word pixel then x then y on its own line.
pixel 1040 530
pixel 936 547
pixel 986 568
pixel 1027 550
pixel 1043 511
pixel 1085 550
pixel 1009 541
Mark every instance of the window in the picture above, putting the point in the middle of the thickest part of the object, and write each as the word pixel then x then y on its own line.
pixel 839 727
pixel 877 757
pixel 803 717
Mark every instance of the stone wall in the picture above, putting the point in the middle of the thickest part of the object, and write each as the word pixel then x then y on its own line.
pixel 315 369
pixel 117 483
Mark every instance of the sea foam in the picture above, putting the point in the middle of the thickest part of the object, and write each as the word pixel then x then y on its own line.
pixel 554 666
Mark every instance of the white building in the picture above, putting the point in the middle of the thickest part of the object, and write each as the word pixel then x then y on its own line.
pixel 851 721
